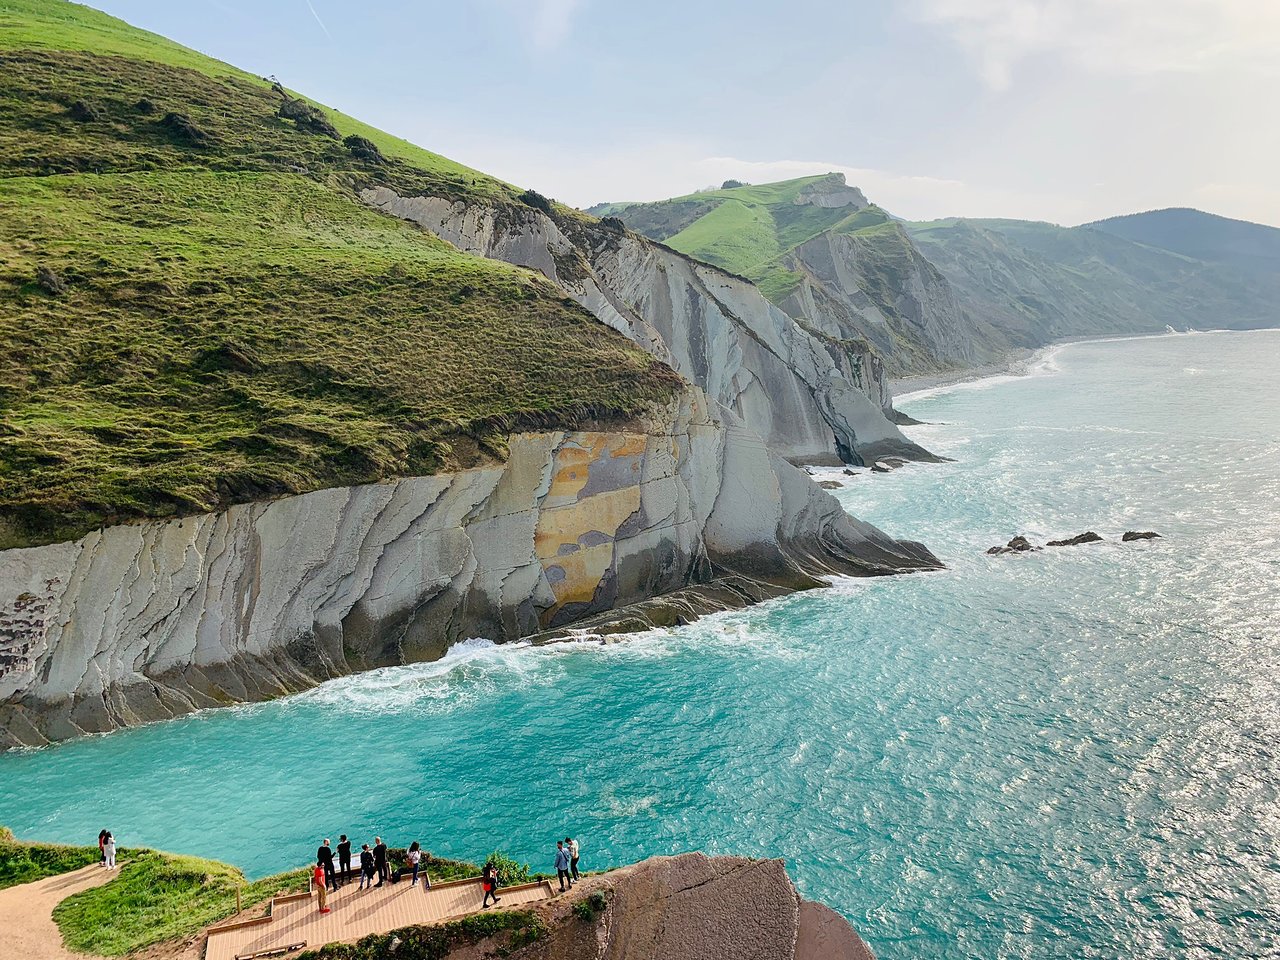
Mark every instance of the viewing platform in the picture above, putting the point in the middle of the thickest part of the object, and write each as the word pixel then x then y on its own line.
pixel 293 921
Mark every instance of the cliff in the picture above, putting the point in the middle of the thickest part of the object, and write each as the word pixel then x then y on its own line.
pixel 689 907
pixel 816 396
pixel 1037 282
pixel 825 255
pixel 150 620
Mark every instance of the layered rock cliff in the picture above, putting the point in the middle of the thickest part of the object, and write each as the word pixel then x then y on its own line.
pixel 825 255
pixel 151 620
pixel 689 907
pixel 816 396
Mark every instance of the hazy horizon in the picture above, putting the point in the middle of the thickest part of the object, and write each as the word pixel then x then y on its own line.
pixel 1066 112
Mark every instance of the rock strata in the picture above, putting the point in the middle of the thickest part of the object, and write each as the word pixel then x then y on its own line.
pixel 694 907
pixel 815 397
pixel 145 621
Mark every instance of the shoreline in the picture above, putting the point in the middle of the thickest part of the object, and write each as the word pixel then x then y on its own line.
pixel 1019 363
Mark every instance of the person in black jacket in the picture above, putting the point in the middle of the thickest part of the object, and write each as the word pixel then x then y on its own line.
pixel 344 859
pixel 366 867
pixel 380 860
pixel 324 857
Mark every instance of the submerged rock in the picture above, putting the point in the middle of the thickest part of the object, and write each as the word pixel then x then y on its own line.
pixel 1018 544
pixel 1087 537
pixel 880 467
pixel 1130 535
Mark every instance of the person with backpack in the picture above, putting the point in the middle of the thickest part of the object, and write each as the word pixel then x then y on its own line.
pixel 366 867
pixel 562 866
pixel 489 881
pixel 344 859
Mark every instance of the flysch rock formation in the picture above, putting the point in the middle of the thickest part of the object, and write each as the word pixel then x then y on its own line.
pixel 146 621
pixel 691 907
pixel 815 396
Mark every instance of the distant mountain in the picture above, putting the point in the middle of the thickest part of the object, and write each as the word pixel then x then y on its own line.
pixel 950 294
pixel 1037 282
pixel 1205 236
pixel 819 250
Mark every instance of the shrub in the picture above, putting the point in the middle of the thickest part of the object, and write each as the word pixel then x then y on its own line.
pixel 591 906
pixel 523 927
pixel 613 223
pixel 533 198
pixel 510 873
pixel 731 184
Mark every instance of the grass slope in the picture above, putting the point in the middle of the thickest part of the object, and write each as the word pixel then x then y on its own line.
pixel 748 230
pixel 23 862
pixel 190 320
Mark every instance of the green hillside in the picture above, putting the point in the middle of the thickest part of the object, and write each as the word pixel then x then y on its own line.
pixel 749 229
pixel 1205 236
pixel 1037 282
pixel 195 309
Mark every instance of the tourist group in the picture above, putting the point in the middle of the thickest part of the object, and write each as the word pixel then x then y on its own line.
pixel 375 862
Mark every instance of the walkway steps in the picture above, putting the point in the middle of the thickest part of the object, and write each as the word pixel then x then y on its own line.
pixel 294 919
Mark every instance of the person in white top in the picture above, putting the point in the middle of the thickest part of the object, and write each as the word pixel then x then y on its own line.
pixel 109 851
pixel 414 856
pixel 572 846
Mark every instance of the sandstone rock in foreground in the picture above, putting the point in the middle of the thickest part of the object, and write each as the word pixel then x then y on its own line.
pixel 694 907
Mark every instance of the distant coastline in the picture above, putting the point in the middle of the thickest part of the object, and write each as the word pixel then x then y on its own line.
pixel 1021 363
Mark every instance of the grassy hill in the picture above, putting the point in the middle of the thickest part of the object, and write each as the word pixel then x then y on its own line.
pixel 1205 236
pixel 195 309
pixel 1037 282
pixel 749 229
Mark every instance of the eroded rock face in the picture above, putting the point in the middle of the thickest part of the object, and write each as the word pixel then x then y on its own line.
pixel 815 396
pixel 694 907
pixel 144 621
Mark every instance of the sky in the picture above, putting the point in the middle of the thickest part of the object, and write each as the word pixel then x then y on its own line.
pixel 1058 110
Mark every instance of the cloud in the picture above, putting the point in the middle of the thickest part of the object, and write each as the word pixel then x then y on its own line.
pixel 552 22
pixel 1133 37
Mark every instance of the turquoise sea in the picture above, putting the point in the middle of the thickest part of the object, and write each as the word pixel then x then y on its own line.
pixel 1074 753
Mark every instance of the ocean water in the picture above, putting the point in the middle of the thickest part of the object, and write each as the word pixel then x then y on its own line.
pixel 1074 753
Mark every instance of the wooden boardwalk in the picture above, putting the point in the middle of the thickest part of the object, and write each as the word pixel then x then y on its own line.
pixel 294 919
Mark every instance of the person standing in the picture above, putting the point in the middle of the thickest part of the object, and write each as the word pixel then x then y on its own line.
pixel 324 859
pixel 380 860
pixel 344 858
pixel 109 851
pixel 562 866
pixel 489 881
pixel 366 867
pixel 322 888
pixel 414 856
pixel 102 856
pixel 572 846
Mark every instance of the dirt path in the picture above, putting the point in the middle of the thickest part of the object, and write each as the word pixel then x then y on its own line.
pixel 27 929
